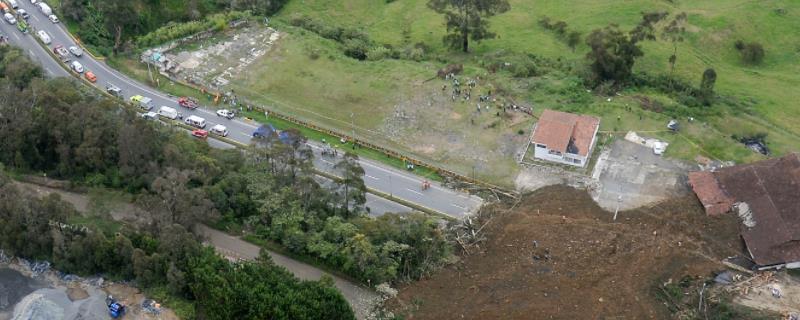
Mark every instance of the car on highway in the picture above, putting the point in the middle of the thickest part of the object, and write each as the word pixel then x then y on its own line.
pixel 188 102
pixel 196 122
pixel 90 76
pixel 23 14
pixel 114 90
pixel 202 134
pixel 53 18
pixel 13 4
pixel 44 8
pixel 76 51
pixel 60 51
pixel 168 112
pixel 219 130
pixel 76 66
pixel 34 1
pixel 225 113
pixel 149 115
pixel 43 36
pixel 10 18
pixel 22 26
pixel 144 102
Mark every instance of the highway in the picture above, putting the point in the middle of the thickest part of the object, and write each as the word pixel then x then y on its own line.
pixel 396 183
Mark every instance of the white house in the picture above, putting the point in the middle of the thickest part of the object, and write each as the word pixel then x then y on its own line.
pixel 565 137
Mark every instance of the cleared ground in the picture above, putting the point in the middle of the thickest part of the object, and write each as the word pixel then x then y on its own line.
pixel 557 255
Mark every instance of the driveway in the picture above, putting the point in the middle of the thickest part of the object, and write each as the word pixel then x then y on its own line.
pixel 631 176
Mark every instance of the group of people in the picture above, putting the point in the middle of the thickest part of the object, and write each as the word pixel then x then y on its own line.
pixel 457 92
pixel 426 185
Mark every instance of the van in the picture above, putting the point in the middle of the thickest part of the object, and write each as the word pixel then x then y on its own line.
pixel 45 9
pixel 219 130
pixel 168 112
pixel 196 121
pixel 13 4
pixel 146 103
pixel 43 36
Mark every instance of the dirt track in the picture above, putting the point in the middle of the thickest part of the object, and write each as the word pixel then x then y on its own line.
pixel 559 256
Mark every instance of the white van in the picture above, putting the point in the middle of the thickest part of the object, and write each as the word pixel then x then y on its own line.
pixel 13 4
pixel 196 122
pixel 219 130
pixel 43 36
pixel 168 112
pixel 45 9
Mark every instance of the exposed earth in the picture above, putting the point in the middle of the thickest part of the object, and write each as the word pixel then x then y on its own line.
pixel 557 255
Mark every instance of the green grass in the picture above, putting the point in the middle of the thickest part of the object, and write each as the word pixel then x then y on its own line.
pixel 713 27
pixel 182 307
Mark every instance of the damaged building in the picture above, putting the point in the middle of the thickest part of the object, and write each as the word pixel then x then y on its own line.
pixel 766 197
pixel 565 137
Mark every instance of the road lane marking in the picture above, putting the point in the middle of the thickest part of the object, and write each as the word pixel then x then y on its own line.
pixel 326 161
pixel 371 177
pixel 414 191
pixel 15 35
pixel 457 206
pixel 244 134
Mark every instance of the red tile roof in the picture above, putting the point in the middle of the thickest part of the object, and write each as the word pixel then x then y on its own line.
pixel 557 130
pixel 709 192
pixel 772 190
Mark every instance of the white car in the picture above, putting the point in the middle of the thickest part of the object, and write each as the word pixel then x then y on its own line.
pixel 219 130
pixel 76 51
pixel 10 18
pixel 53 18
pixel 225 113
pixel 150 115
pixel 24 14
pixel 34 1
pixel 43 36
pixel 77 66
pixel 13 4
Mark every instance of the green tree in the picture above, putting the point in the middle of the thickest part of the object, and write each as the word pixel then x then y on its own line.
pixel 673 32
pixel 573 39
pixel 120 16
pixel 707 87
pixel 353 189
pixel 613 53
pixel 467 19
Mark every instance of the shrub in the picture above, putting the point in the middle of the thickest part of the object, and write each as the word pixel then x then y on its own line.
pixel 378 53
pixel 356 48
pixel 752 53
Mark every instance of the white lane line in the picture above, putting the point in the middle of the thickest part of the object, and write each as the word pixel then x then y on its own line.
pixel 244 134
pixel 371 177
pixel 35 17
pixel 326 161
pixel 414 191
pixel 457 206
pixel 15 35
pixel 32 54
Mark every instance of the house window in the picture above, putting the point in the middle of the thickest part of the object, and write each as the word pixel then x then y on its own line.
pixel 554 152
pixel 578 161
pixel 541 146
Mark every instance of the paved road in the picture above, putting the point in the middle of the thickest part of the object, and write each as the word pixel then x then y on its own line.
pixel 397 183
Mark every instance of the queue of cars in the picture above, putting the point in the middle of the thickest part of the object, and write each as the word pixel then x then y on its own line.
pixel 70 55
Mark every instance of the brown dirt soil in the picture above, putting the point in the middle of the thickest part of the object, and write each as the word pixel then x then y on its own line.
pixel 583 265
pixel 76 293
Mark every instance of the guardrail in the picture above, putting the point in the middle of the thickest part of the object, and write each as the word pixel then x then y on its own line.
pixel 389 152
pixel 240 145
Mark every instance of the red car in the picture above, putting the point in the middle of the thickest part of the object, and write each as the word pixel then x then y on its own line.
pixel 188 102
pixel 202 134
pixel 60 51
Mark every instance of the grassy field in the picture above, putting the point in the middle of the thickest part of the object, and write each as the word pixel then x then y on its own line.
pixel 330 86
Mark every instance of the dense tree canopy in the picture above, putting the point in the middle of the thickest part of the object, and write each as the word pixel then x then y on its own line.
pixel 467 19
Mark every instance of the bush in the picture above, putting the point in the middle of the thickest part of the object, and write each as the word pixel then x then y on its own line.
pixel 173 31
pixel 378 53
pixel 752 53
pixel 356 49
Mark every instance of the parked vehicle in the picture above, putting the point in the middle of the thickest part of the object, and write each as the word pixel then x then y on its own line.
pixel 168 112
pixel 53 18
pixel 114 90
pixel 225 113
pixel 144 102
pixel 196 121
pixel 43 36
pixel 76 66
pixel 264 131
pixel 188 102
pixel 90 76
pixel 149 115
pixel 4 8
pixel 10 18
pixel 76 51
pixel 45 9
pixel 202 134
pixel 60 51
pixel 23 14
pixel 22 26
pixel 13 4
pixel 219 130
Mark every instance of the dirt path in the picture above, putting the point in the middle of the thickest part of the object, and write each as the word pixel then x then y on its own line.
pixel 361 299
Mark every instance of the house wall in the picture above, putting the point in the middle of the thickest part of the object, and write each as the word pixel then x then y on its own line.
pixel 544 154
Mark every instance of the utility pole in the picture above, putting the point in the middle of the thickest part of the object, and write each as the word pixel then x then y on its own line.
pixel 353 127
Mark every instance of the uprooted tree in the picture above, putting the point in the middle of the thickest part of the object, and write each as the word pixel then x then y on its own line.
pixel 467 19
